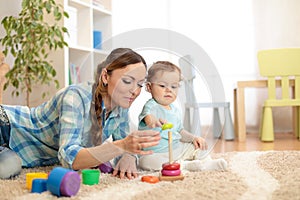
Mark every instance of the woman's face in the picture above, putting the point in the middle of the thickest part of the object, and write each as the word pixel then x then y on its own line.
pixel 125 84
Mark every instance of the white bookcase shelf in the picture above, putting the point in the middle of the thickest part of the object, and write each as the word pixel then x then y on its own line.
pixel 80 57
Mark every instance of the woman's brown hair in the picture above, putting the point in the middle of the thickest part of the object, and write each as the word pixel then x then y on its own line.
pixel 117 59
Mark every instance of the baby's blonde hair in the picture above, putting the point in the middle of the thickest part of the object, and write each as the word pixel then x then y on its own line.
pixel 162 66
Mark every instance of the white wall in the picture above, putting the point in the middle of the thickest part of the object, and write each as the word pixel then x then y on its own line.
pixel 6 9
pixel 229 31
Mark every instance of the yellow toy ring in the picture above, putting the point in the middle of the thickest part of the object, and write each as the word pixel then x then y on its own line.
pixel 167 126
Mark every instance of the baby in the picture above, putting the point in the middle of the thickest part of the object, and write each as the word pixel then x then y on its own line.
pixel 163 81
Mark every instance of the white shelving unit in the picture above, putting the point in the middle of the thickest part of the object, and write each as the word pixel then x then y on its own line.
pixel 86 16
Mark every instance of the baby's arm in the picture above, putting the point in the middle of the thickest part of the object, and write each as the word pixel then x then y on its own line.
pixel 198 142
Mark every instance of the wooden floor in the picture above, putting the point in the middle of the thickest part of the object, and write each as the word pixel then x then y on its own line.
pixel 283 141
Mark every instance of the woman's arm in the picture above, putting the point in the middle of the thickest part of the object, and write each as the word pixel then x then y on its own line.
pixel 84 160
pixel 133 143
pixel 94 156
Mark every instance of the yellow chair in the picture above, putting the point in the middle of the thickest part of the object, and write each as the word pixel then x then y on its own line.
pixel 283 66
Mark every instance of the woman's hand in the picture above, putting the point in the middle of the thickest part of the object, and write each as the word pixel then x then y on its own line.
pixel 126 167
pixel 136 141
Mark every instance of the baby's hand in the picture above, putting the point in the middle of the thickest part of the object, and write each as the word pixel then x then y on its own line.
pixel 200 143
pixel 161 122
pixel 153 122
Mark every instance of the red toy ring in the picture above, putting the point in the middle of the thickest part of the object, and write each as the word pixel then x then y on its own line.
pixel 171 172
pixel 172 166
pixel 150 179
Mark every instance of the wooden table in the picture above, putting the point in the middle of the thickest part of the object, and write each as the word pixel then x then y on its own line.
pixel 239 104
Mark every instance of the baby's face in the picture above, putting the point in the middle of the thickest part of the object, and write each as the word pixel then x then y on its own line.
pixel 164 87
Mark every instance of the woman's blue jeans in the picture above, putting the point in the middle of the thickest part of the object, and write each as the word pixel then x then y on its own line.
pixel 10 162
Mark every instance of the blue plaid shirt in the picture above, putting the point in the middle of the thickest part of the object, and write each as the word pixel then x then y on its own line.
pixel 59 128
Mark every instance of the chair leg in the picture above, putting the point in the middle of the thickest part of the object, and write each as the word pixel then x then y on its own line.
pixel 196 125
pixel 267 134
pixel 217 128
pixel 261 122
pixel 187 119
pixel 228 127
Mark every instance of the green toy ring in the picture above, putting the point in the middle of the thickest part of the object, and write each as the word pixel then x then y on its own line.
pixel 167 126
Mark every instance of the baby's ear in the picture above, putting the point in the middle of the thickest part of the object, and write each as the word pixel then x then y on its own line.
pixel 148 87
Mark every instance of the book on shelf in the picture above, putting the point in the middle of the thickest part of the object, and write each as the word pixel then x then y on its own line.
pixel 74 74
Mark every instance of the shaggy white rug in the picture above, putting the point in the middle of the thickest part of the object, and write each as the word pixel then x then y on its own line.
pixel 251 175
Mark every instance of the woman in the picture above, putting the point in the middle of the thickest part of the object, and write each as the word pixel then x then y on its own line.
pixel 72 128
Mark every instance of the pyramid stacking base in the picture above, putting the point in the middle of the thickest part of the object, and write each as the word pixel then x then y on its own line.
pixel 170 178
